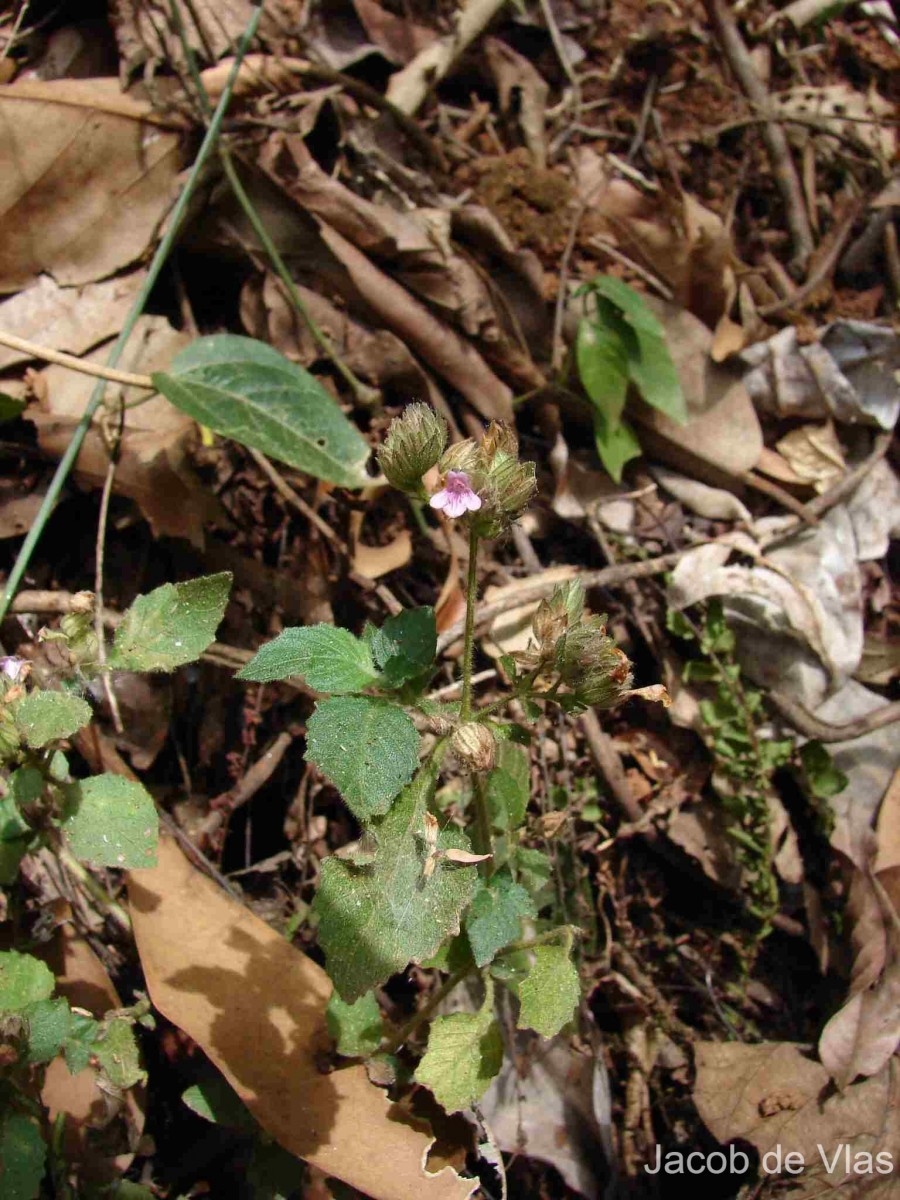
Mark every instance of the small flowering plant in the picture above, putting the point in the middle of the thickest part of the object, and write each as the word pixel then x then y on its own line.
pixel 452 887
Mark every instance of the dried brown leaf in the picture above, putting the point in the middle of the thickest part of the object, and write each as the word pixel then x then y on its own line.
pixel 257 1007
pixel 776 1095
pixel 90 174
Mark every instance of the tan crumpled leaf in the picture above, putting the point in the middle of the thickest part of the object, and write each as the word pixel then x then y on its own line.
pixel 814 454
pixel 89 175
pixel 887 855
pixel 70 319
pixel 257 1008
pixel 862 1036
pixel 775 1094
pixel 153 467
pixel 375 561
pixel 838 109
pixel 88 1109
pixel 513 73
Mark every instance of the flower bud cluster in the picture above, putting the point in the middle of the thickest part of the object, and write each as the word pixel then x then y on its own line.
pixel 414 443
pixel 577 651
pixel 501 485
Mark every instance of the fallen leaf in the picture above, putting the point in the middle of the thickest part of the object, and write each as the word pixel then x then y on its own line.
pixel 18 512
pixel 713 503
pixel 514 73
pixel 775 1094
pixel 398 38
pixel 814 454
pixel 375 561
pixel 145 32
pixel 153 467
pixel 90 175
pixel 840 114
pixel 71 319
pixel 257 1008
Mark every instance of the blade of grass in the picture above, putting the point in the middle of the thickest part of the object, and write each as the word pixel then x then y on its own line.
pixel 162 252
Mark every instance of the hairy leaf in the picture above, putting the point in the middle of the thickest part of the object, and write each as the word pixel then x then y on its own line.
pixel 117 1052
pixel 45 716
pixel 22 1153
pixel 24 980
pixel 465 1052
pixel 49 1022
pixel 25 786
pixel 405 645
pixel 357 1028
pixel 509 786
pixel 111 822
pixel 551 992
pixel 328 658
pixel 247 391
pixel 368 748
pixel 171 625
pixel 495 918
pixel 376 918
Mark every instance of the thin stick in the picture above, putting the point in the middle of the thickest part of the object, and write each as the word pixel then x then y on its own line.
pixel 811 726
pixel 45 354
pixel 162 252
pixel 783 168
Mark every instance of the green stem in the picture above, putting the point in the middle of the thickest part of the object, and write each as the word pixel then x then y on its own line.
pixel 481 833
pixel 465 710
pixel 392 1044
pixel 67 461
pixel 95 890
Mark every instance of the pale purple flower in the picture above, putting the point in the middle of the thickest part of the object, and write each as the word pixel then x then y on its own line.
pixel 13 667
pixel 457 496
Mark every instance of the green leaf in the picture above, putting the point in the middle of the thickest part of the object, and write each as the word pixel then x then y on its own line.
pixel 22 1154
pixel 534 868
pixel 602 359
pixel 368 748
pixel 698 671
pixel 273 1173
pixel 245 390
pixel 79 1045
pixel 16 835
pixel 49 1022
pixel 376 918
pixel 677 623
pixel 110 821
pixel 551 993
pixel 24 980
pixel 45 716
pixel 509 786
pixel 405 645
pixel 616 446
pixel 495 918
pixel 171 625
pixel 357 1028
pixel 10 407
pixel 465 1052
pixel 118 1054
pixel 214 1099
pixel 328 658
pixel 822 776
pixel 650 365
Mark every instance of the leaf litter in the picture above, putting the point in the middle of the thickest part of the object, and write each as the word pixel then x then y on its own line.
pixel 437 245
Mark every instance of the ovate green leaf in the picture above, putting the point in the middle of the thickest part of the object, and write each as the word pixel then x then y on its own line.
pixel 110 821
pixel 49 1022
pixel 328 658
pixel 551 992
pixel 117 1052
pixel 405 645
pixel 24 980
pixel 22 1153
pixel 24 786
pixel 616 446
pixel 465 1052
pixel 602 367
pixel 495 918
pixel 214 1099
pixel 509 786
pixel 171 625
pixel 823 777
pixel 357 1028
pixel 368 748
pixel 45 716
pixel 376 918
pixel 247 391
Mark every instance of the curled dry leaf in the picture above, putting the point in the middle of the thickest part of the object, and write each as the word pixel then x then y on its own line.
pixel 257 1008
pixel 90 175
pixel 775 1094
pixel 514 74
pixel 375 561
pixel 814 454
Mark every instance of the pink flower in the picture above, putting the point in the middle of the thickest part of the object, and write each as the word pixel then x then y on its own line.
pixel 14 668
pixel 457 496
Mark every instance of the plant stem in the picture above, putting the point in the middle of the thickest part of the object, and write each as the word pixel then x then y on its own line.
pixel 481 833
pixel 95 890
pixel 469 636
pixel 67 461
pixel 392 1044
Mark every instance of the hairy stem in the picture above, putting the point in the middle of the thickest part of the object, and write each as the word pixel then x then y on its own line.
pixel 469 636
pixel 481 833
pixel 393 1043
